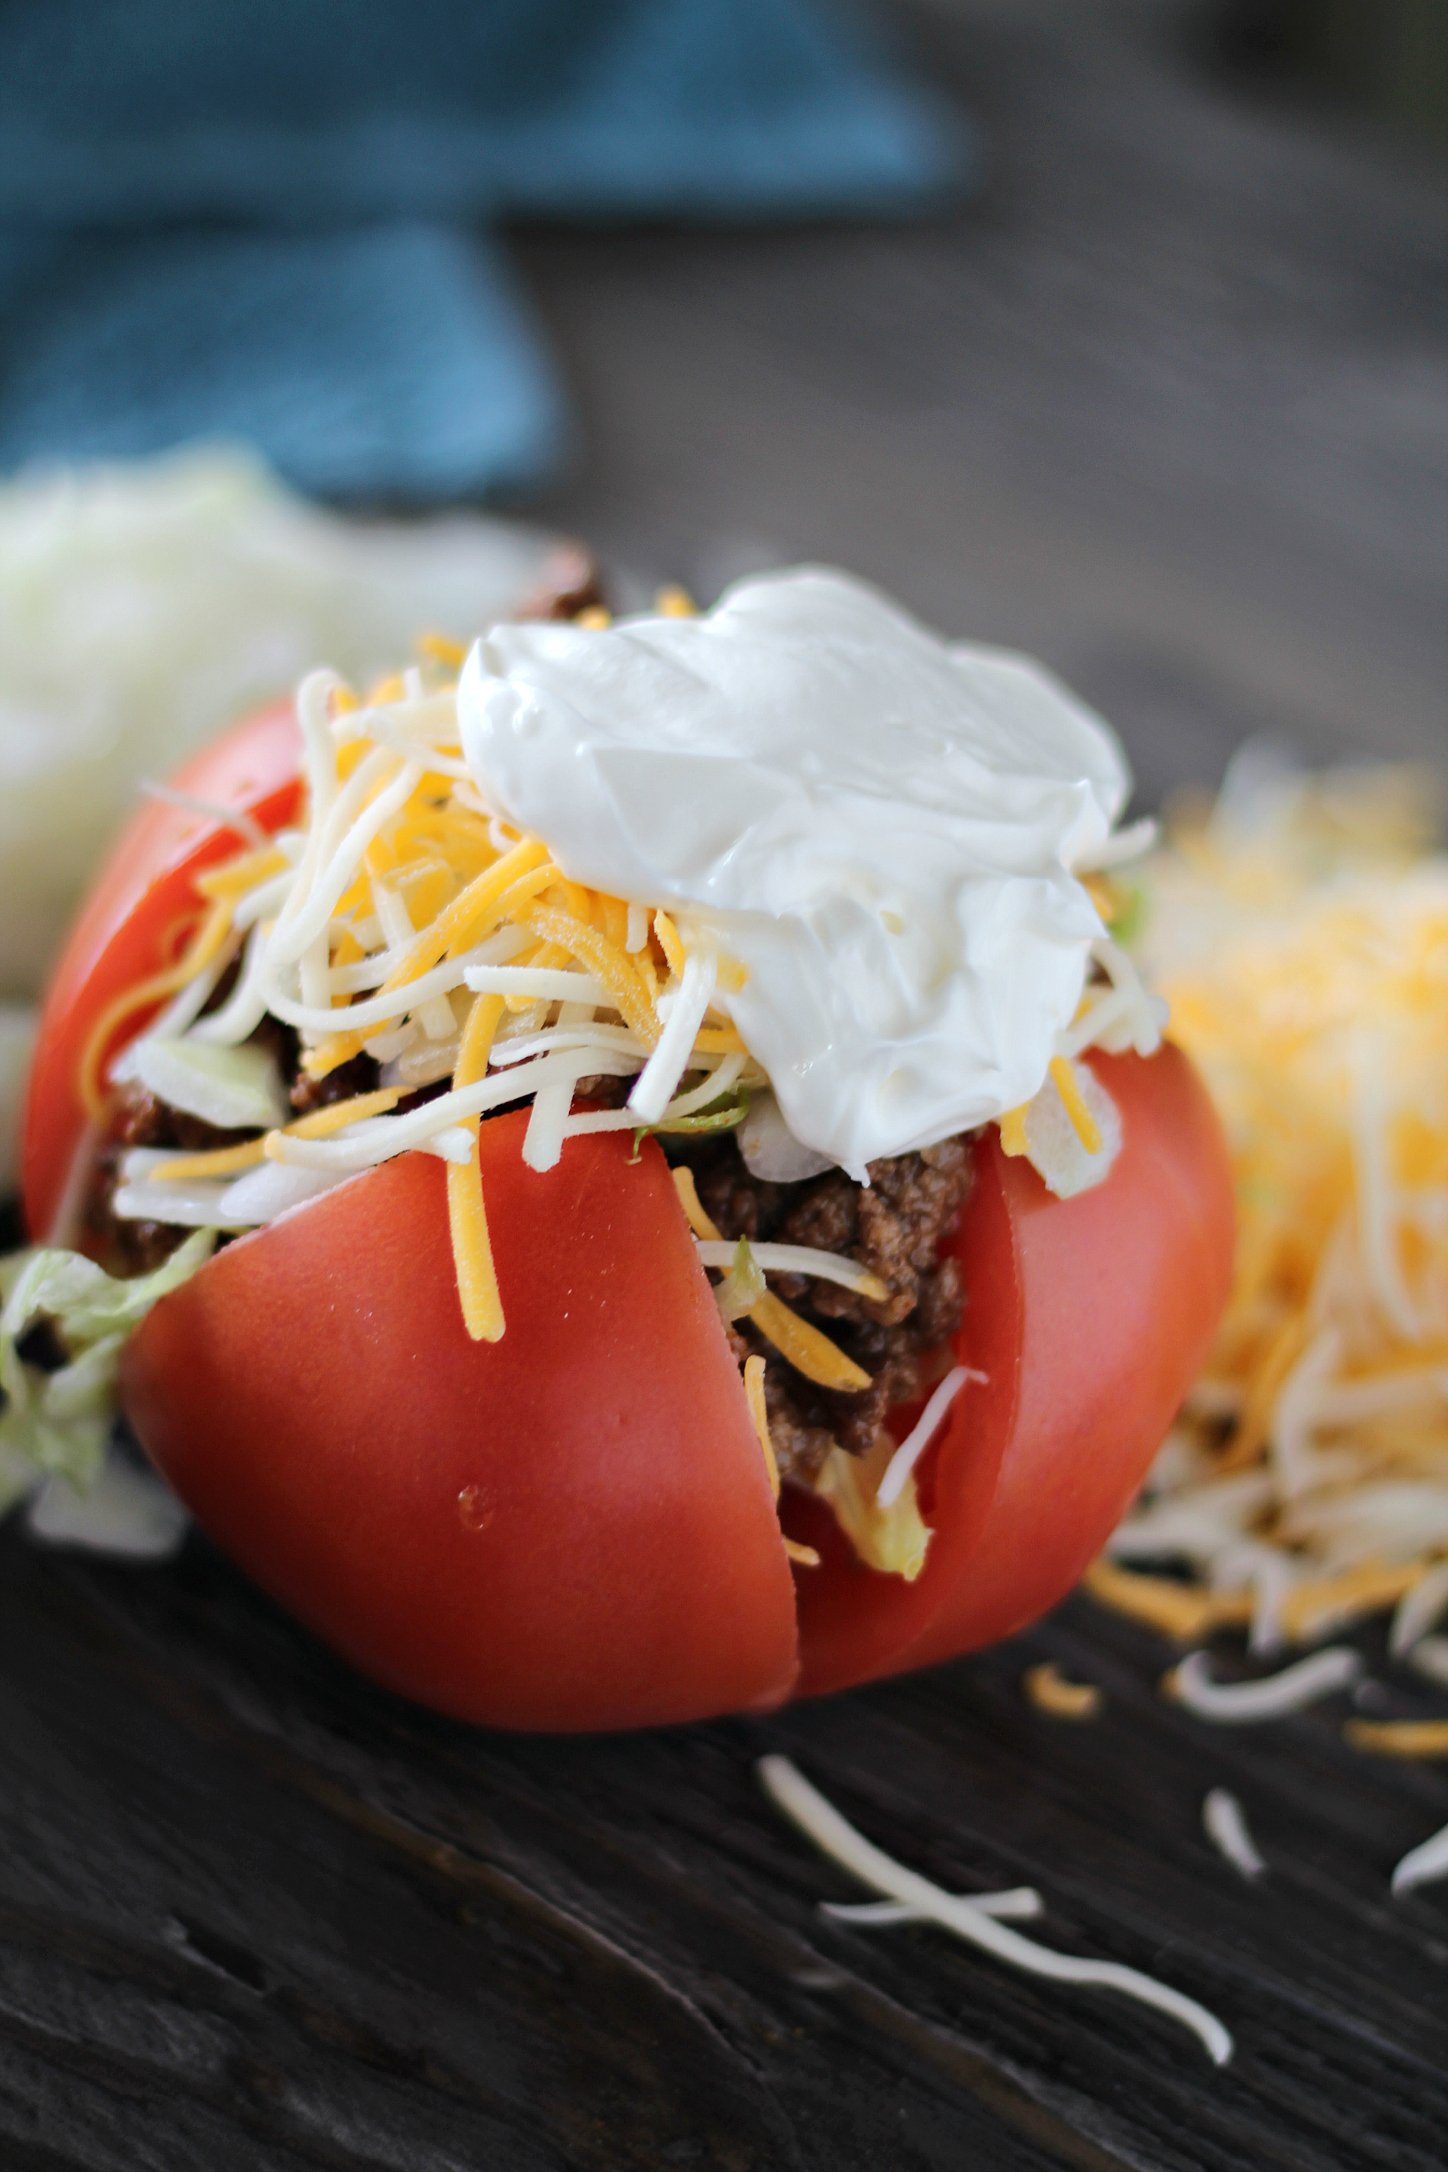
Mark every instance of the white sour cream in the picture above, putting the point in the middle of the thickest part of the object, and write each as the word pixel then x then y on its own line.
pixel 880 826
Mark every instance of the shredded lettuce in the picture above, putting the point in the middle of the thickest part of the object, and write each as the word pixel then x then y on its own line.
pixel 59 1422
pixel 725 1114
pixel 743 1286
pixel 893 1540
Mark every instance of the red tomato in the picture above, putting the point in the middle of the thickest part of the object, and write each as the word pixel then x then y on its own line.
pixel 571 1528
pixel 119 939
pixel 1089 1318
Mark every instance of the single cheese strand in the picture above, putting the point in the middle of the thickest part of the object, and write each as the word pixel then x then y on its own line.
pixel 754 1393
pixel 1225 1826
pixel 1013 1132
pixel 234 878
pixel 1421 1865
pixel 1049 1690
pixel 1083 1123
pixel 846 1845
pixel 1322 1674
pixel 477 1276
pixel 1399 1738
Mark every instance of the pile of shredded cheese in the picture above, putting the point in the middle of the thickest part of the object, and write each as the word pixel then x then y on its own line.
pixel 405 920
pixel 1300 932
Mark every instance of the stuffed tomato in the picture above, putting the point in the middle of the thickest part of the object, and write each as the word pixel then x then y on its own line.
pixel 661 1190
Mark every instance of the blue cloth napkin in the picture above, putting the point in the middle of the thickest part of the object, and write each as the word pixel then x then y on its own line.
pixel 269 219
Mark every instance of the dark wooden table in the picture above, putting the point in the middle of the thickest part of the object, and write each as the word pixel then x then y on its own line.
pixel 1167 405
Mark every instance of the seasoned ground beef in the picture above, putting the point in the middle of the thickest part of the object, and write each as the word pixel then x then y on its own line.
pixel 357 1076
pixel 895 1227
pixel 138 1119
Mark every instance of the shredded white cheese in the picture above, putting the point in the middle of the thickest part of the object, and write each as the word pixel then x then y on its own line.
pixel 1239 1704
pixel 1225 1825
pixel 819 1820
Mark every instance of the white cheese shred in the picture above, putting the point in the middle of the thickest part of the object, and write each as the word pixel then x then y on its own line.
pixel 921 1434
pixel 1271 1697
pixel 1225 1825
pixel 1424 1864
pixel 819 1820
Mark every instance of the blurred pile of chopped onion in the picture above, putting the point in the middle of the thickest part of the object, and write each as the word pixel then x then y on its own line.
pixel 1299 927
pixel 142 607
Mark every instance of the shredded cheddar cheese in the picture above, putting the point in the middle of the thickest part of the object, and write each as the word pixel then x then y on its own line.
pixel 1300 931
pixel 1050 1691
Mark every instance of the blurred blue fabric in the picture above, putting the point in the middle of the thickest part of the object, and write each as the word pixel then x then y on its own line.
pixel 267 218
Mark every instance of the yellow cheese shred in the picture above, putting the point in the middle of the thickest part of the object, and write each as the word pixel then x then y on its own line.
pixel 482 1307
pixel 1083 1123
pixel 1399 1738
pixel 799 1344
pixel 754 1392
pixel 1050 1691
pixel 1180 1610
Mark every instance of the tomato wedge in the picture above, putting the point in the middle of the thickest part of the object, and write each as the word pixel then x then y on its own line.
pixel 1089 1318
pixel 569 1528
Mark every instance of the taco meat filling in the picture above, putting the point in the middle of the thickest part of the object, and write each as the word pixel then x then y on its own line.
pixel 896 1227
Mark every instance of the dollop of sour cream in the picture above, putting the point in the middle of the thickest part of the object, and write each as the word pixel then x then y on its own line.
pixel 881 827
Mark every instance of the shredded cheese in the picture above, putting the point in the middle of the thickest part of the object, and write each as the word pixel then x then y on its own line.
pixel 1300 931
pixel 1225 1825
pixel 1321 1674
pixel 1399 1738
pixel 1050 1691
pixel 833 1834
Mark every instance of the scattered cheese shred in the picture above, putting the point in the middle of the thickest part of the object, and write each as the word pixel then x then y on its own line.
pixel 1225 1825
pixel 1424 1864
pixel 843 1843
pixel 1050 1691
pixel 1321 1674
pixel 1399 1738
pixel 1300 931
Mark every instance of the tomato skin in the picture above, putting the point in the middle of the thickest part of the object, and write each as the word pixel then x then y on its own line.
pixel 571 1528
pixel 1089 1317
pixel 120 936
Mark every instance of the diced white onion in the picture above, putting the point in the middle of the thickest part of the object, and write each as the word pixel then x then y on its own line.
pixel 770 1149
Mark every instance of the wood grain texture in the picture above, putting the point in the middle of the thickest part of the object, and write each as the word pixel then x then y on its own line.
pixel 1165 404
